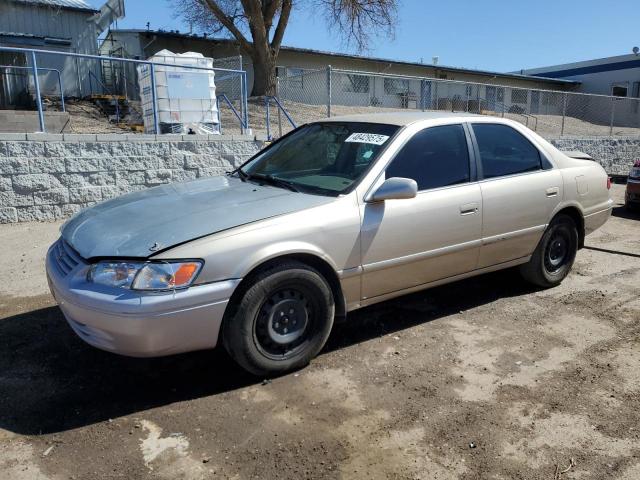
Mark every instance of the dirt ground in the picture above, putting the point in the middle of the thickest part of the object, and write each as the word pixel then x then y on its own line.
pixel 85 117
pixel 487 378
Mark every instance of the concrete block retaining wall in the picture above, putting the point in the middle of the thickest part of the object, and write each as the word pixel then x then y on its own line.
pixel 615 154
pixel 49 177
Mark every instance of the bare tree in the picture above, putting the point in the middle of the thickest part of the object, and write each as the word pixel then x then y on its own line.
pixel 259 25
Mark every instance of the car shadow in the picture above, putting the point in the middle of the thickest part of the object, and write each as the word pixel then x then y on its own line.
pixel 624 212
pixel 51 381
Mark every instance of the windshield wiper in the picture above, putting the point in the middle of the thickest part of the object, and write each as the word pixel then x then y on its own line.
pixel 241 174
pixel 270 179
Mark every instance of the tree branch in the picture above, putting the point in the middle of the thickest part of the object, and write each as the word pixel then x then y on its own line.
pixel 269 9
pixel 228 23
pixel 282 25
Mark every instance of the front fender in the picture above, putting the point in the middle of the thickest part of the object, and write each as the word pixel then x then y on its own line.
pixel 279 249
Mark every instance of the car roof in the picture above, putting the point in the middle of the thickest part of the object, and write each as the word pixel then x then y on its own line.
pixel 404 118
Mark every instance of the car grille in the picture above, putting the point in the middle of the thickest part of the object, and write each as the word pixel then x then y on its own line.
pixel 65 257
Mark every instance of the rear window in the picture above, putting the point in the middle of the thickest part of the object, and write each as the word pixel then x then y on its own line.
pixel 505 151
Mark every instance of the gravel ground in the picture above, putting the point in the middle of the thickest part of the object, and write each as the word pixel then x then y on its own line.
pixel 487 378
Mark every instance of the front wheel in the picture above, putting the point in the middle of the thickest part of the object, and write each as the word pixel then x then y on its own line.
pixel 554 256
pixel 282 320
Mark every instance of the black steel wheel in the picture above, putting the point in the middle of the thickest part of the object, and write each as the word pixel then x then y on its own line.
pixel 553 258
pixel 281 321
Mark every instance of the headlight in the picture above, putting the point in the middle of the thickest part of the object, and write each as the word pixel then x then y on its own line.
pixel 166 275
pixel 145 275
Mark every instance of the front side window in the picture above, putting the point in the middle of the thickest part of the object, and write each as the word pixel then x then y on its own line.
pixel 324 158
pixel 504 151
pixel 434 157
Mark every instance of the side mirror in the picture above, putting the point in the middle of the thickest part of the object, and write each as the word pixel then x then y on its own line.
pixel 394 188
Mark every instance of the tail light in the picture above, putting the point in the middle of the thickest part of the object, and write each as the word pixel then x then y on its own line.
pixel 635 170
pixel 608 183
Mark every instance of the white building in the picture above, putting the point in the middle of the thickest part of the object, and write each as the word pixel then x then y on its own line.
pixel 617 76
pixel 353 89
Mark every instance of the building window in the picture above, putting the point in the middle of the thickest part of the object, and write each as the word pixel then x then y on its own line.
pixel 519 96
pixel 356 84
pixel 619 90
pixel 295 77
pixel 395 86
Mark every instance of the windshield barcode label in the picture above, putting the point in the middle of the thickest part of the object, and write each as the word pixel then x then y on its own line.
pixel 372 138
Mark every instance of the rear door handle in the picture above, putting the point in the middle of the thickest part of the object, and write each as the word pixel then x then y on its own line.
pixel 552 192
pixel 469 208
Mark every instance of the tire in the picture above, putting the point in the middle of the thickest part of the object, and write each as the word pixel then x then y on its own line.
pixel 553 258
pixel 281 320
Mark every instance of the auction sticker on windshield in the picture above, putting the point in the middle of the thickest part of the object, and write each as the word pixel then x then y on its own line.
pixel 371 138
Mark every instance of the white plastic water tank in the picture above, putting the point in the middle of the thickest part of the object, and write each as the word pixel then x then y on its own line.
pixel 186 97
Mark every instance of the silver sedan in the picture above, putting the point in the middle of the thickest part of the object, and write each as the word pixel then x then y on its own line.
pixel 336 215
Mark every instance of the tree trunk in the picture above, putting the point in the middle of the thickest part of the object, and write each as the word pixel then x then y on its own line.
pixel 264 75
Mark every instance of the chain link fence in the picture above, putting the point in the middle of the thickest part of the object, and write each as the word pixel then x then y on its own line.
pixel 315 94
pixel 102 94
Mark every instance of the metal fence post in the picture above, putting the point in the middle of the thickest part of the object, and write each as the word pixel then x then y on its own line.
pixel 279 112
pixel 564 112
pixel 329 91
pixel 61 90
pixel 241 104
pixel 423 87
pixel 245 101
pixel 266 104
pixel 467 89
pixel 34 67
pixel 154 100
pixel 613 113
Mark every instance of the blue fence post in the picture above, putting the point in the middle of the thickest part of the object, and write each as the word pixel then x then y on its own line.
pixel 219 119
pixel 61 90
pixel 154 99
pixel 34 67
pixel 241 104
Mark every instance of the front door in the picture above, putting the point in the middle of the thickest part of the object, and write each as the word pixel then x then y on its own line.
pixel 520 190
pixel 411 242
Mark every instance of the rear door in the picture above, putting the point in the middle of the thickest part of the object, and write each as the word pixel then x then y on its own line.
pixel 520 189
pixel 411 242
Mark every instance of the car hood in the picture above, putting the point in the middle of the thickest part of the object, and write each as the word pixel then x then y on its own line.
pixel 143 223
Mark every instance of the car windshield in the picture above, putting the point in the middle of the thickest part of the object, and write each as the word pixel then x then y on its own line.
pixel 324 158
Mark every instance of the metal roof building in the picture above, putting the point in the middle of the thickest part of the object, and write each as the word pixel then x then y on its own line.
pixel 144 43
pixel 58 25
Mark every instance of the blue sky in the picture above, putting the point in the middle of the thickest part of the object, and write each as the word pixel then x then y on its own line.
pixel 499 35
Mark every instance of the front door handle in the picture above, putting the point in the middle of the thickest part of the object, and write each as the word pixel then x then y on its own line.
pixel 469 208
pixel 553 192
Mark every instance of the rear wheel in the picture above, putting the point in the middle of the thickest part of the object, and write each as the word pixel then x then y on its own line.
pixel 554 256
pixel 282 320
